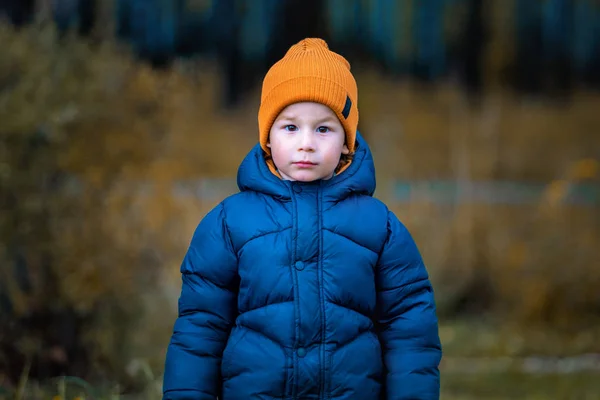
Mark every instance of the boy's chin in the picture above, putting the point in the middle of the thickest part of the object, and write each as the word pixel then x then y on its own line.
pixel 307 176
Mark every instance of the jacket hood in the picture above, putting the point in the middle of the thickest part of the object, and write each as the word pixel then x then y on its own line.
pixel 358 178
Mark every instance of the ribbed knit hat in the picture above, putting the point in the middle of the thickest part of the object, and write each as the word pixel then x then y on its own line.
pixel 309 71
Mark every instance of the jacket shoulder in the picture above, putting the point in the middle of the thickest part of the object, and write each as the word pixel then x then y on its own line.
pixel 363 219
pixel 391 228
pixel 251 214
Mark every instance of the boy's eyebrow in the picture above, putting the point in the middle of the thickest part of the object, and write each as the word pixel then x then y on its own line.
pixel 328 118
pixel 287 117
pixel 293 117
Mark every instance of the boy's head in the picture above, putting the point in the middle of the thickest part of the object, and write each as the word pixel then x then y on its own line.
pixel 308 112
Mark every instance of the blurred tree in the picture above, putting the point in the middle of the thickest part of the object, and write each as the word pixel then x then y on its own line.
pixel 429 59
pixel 557 38
pixel 586 46
pixel 529 47
pixel 226 20
pixel 75 14
pixel 153 27
pixel 19 12
pixel 473 39
pixel 300 19
pixel 385 35
pixel 346 27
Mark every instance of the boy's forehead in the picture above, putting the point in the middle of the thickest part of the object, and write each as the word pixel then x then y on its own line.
pixel 307 109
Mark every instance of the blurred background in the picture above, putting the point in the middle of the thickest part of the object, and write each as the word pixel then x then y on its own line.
pixel 122 122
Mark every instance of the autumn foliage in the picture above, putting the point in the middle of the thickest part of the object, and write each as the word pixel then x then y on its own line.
pixel 94 146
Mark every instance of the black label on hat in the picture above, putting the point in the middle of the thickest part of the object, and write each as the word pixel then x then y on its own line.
pixel 347 107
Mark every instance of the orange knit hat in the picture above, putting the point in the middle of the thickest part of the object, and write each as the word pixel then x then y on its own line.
pixel 309 71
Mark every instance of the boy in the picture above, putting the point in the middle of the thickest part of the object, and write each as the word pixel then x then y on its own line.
pixel 303 286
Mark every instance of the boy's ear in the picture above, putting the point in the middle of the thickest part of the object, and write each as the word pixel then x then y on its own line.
pixel 268 143
pixel 345 149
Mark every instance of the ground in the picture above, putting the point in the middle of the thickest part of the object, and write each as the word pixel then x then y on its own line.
pixel 481 361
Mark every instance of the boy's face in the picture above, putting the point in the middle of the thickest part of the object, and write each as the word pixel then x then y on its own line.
pixel 306 142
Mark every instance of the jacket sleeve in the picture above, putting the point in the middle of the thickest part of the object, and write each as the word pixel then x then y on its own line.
pixel 407 320
pixel 207 308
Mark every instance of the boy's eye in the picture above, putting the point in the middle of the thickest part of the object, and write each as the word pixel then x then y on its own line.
pixel 290 128
pixel 322 129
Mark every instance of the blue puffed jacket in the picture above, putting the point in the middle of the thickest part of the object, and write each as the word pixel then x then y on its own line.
pixel 298 290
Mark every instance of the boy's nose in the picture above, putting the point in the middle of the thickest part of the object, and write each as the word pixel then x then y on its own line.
pixel 307 141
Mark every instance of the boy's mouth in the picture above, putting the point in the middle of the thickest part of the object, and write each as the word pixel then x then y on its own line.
pixel 304 164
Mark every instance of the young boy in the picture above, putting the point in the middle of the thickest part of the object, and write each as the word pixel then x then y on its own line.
pixel 303 286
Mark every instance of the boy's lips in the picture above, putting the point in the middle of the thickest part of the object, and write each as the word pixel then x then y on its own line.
pixel 305 164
